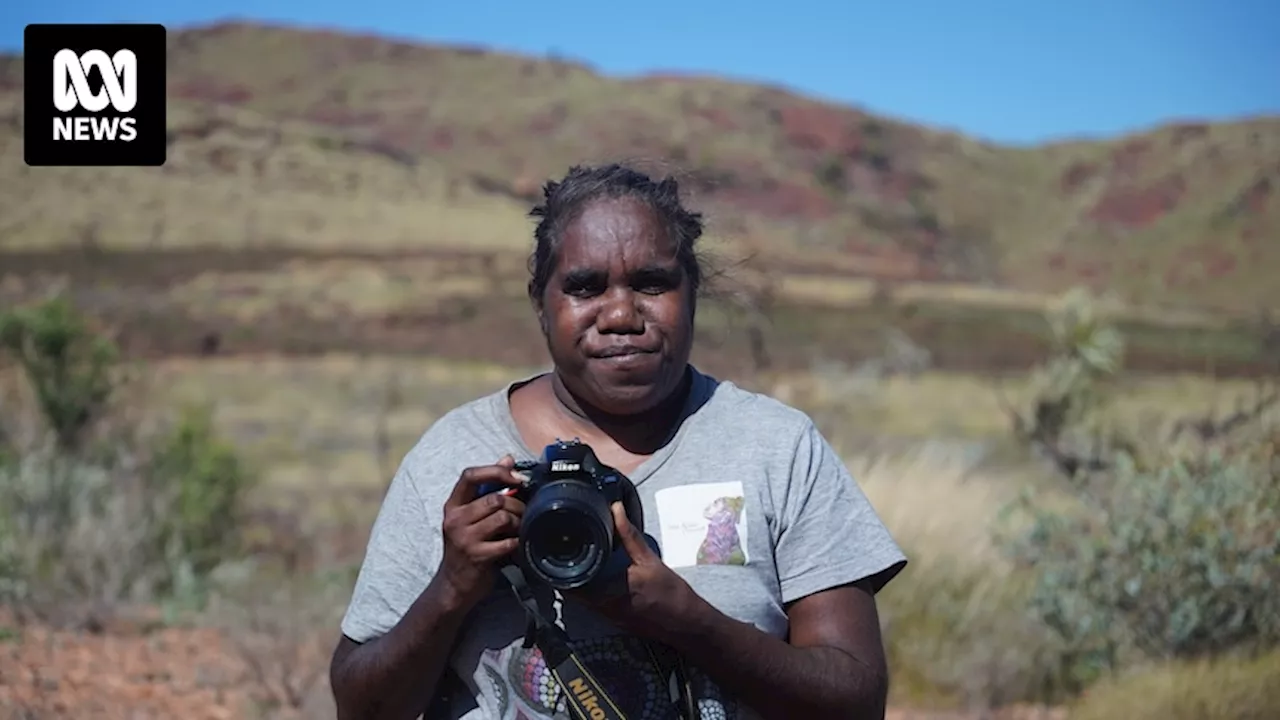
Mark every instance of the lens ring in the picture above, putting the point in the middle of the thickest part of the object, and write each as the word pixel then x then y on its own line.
pixel 566 534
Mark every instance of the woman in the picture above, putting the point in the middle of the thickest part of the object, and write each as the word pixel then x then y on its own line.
pixel 771 555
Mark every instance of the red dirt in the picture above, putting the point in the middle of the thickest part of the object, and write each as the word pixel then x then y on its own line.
pixel 815 127
pixel 1140 207
pixel 1077 175
pixel 166 674
pixel 213 91
pixel 1259 195
pixel 194 674
pixel 1128 159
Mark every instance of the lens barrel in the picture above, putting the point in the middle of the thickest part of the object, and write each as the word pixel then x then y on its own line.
pixel 567 534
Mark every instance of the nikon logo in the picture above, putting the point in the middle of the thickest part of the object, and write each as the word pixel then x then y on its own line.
pixel 586 697
pixel 564 466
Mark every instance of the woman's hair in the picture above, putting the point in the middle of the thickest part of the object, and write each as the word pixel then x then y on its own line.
pixel 564 201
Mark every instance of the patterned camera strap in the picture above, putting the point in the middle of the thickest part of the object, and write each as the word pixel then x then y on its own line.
pixel 584 694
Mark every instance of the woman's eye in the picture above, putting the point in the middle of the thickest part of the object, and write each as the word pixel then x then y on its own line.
pixel 582 289
pixel 656 283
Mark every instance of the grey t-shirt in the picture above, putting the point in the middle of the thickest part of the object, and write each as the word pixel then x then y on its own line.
pixel 748 503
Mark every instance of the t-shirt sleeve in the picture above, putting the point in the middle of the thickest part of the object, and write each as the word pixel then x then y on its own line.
pixel 829 534
pixel 402 556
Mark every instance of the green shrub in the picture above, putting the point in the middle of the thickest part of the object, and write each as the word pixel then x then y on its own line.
pixel 1223 689
pixel 1180 561
pixel 142 513
pixel 1070 387
pixel 75 532
pixel 207 480
pixel 67 365
pixel 1169 551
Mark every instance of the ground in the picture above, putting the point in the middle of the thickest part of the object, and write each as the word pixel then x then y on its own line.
pixel 917 447
pixel 177 673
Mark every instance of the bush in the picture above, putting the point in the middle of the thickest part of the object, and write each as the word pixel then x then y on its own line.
pixel 67 365
pixel 1070 388
pixel 1175 562
pixel 1223 689
pixel 143 513
pixel 208 481
pixel 1167 551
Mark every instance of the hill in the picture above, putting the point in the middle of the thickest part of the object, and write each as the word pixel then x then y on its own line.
pixel 1184 211
pixel 318 180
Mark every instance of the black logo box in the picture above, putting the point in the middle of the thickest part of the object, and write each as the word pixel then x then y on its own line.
pixel 148 43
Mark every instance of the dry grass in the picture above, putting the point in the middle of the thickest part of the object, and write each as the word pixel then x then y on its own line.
pixel 312 424
pixel 840 291
pixel 330 402
pixel 373 286
pixel 304 416
pixel 334 287
pixel 250 184
pixel 325 431
pixel 940 501
pixel 1221 689
pixel 954 626
pixel 957 405
pixel 310 421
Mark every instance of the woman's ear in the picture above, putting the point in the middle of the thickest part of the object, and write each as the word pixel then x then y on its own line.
pixel 539 310
pixel 542 320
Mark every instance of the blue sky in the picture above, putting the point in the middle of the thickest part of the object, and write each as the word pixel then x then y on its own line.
pixel 1016 71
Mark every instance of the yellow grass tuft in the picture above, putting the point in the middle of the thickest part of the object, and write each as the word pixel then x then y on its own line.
pixel 1221 689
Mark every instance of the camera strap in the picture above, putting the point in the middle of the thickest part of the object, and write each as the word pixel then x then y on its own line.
pixel 584 694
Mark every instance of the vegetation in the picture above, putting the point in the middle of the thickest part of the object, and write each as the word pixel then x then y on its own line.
pixel 1136 556
pixel 1159 550
pixel 1224 688
pixel 98 507
pixel 967 625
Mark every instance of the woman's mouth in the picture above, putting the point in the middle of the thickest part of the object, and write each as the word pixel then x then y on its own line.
pixel 624 355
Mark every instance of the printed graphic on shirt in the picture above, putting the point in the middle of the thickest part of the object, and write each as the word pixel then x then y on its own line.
pixel 523 687
pixel 704 524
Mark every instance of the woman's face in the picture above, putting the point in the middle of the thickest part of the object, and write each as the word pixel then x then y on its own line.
pixel 618 311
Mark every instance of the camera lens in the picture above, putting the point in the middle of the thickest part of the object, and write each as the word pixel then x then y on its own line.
pixel 566 534
pixel 561 540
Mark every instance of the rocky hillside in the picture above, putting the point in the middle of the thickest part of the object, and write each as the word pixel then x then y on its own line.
pixel 1184 214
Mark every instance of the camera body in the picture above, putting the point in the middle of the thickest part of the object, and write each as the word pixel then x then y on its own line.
pixel 567 534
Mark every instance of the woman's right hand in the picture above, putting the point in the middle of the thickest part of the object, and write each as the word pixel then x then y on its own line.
pixel 479 531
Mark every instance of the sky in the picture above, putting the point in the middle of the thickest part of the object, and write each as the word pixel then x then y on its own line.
pixel 1012 71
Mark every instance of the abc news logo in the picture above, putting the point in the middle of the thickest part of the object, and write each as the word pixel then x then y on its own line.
pixel 71 90
pixel 95 95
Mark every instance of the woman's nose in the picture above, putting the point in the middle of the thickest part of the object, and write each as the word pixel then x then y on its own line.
pixel 619 313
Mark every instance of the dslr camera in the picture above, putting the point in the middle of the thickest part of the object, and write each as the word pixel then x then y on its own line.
pixel 567 537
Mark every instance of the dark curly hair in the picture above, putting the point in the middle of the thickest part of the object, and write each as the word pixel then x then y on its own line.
pixel 564 201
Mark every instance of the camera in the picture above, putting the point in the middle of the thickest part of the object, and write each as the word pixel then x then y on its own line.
pixel 567 537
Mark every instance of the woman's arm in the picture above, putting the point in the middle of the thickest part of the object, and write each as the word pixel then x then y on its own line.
pixel 833 667
pixel 394 676
pixel 397 634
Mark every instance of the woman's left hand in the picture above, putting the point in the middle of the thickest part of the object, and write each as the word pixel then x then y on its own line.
pixel 650 600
